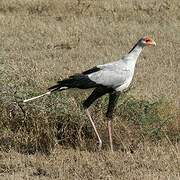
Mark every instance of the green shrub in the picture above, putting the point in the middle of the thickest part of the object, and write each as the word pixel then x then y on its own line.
pixel 151 117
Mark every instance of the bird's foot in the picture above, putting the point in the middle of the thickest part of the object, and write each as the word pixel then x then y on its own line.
pixel 99 143
pixel 112 150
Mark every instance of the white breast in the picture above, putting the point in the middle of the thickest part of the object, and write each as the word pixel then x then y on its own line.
pixel 124 86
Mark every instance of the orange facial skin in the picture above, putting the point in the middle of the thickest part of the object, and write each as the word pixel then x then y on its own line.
pixel 149 41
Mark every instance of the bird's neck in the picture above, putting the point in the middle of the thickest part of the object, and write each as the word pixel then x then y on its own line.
pixel 131 58
pixel 135 52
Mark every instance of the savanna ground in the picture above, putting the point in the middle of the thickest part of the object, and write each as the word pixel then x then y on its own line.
pixel 43 41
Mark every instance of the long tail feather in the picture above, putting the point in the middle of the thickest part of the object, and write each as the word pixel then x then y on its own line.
pixel 76 81
pixel 47 93
pixel 36 97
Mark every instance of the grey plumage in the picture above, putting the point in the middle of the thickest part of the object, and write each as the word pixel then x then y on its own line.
pixel 111 78
pixel 116 75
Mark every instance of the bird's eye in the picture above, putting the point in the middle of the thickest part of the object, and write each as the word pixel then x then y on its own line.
pixel 147 40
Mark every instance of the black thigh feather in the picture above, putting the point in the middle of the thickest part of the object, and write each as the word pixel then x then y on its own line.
pixel 113 98
pixel 97 93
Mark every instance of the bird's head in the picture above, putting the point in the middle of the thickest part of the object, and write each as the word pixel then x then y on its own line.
pixel 147 41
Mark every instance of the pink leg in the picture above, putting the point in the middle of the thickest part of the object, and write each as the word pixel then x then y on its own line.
pixel 110 133
pixel 99 139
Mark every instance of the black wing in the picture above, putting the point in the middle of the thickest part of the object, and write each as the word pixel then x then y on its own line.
pixel 92 70
pixel 80 80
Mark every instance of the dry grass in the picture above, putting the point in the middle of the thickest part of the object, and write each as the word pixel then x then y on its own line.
pixel 148 162
pixel 46 40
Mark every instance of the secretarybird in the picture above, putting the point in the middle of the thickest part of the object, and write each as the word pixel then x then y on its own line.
pixel 111 78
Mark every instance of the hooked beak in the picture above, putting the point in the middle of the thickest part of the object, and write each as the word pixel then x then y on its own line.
pixel 151 43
